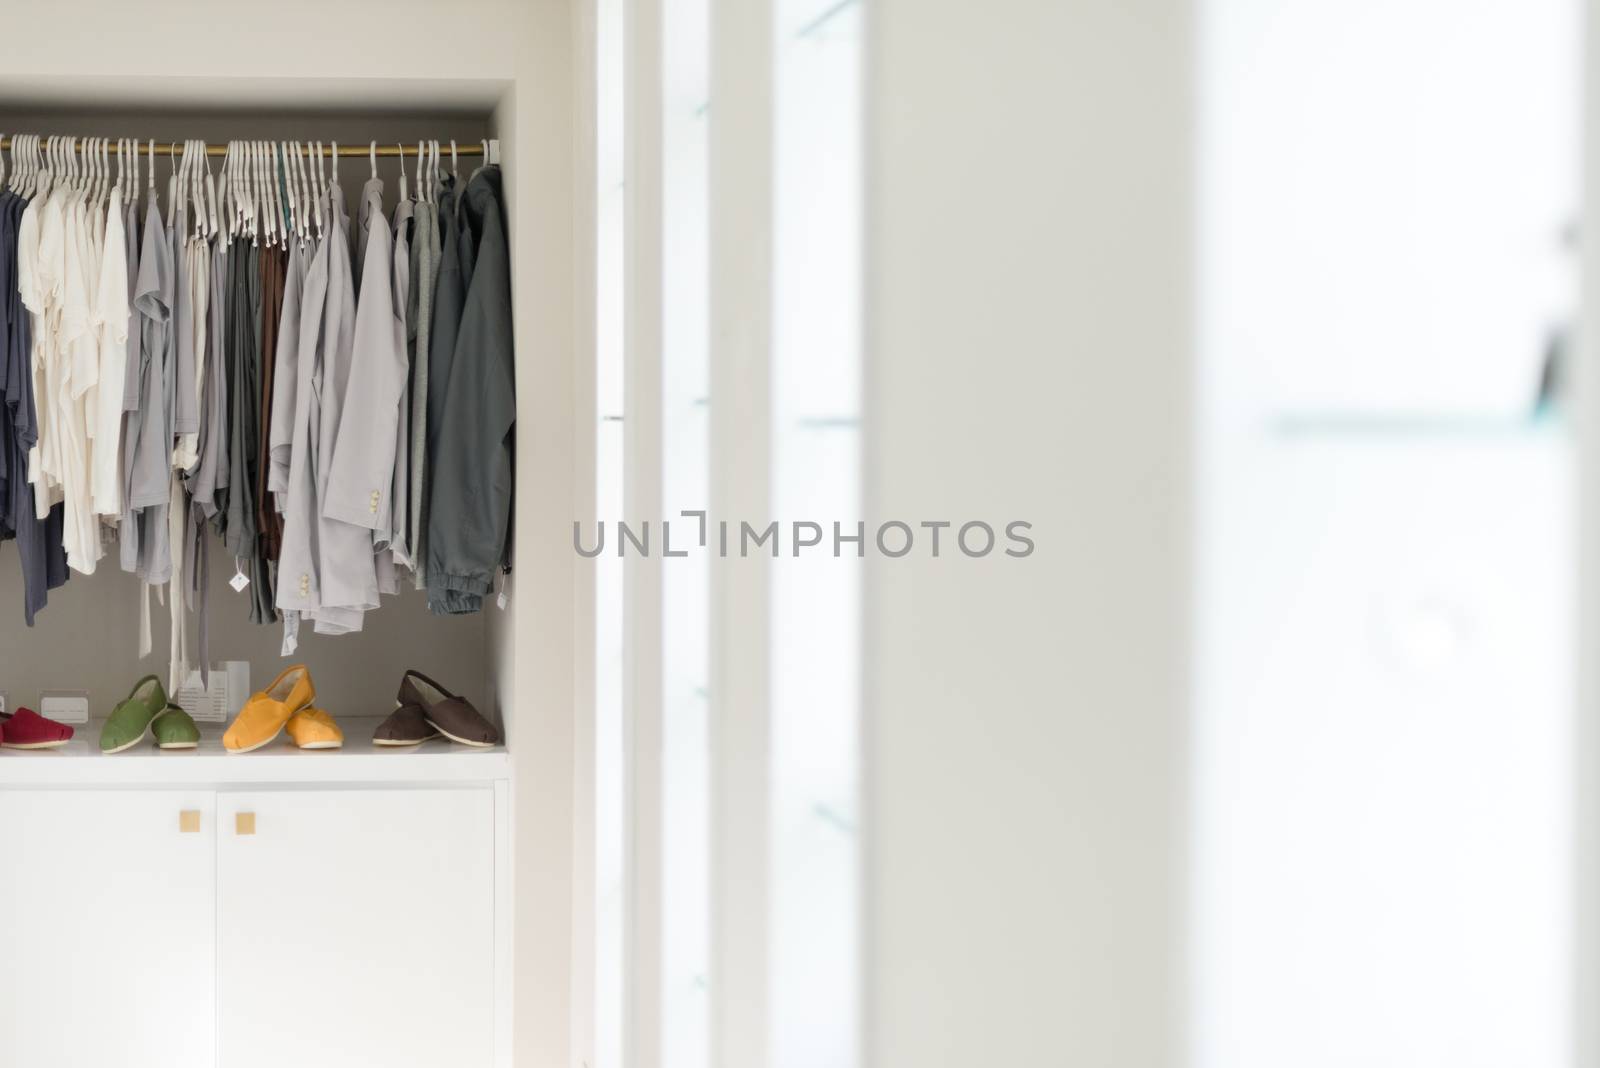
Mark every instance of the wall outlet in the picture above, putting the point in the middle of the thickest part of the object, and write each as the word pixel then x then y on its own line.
pixel 64 706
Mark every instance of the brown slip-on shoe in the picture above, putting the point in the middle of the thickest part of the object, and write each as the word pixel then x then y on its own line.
pixel 452 716
pixel 406 725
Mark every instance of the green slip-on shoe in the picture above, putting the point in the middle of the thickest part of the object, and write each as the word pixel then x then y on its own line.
pixel 130 721
pixel 174 729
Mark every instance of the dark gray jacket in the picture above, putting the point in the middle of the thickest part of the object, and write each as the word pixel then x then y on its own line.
pixel 469 514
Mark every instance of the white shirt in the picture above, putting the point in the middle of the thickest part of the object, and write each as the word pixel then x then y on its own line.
pixel 111 309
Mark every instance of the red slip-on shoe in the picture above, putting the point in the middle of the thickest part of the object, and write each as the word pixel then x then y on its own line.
pixel 26 729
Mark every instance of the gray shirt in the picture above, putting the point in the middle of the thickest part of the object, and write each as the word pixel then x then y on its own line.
pixel 150 428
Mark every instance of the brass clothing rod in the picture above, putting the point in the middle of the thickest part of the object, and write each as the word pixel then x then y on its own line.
pixel 163 148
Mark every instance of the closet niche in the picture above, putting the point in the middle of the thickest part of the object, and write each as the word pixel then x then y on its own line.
pixel 87 638
pixel 332 907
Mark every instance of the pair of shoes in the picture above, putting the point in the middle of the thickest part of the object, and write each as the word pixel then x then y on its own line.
pixel 424 710
pixel 286 704
pixel 26 729
pixel 145 710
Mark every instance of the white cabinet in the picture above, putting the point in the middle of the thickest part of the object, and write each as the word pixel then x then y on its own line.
pixel 347 922
pixel 107 929
pixel 356 928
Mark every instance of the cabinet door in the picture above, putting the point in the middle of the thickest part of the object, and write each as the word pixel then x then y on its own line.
pixel 107 929
pixel 356 928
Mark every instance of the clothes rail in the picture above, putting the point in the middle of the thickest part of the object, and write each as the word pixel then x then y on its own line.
pixel 220 148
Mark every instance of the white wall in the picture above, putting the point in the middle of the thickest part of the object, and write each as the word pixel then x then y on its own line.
pixel 1028 358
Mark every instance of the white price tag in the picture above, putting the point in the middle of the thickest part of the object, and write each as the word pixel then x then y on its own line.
pixel 239 580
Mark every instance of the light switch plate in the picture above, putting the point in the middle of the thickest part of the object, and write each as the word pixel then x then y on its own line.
pixel 244 823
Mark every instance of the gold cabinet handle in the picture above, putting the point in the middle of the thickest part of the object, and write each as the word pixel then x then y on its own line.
pixel 244 823
pixel 189 821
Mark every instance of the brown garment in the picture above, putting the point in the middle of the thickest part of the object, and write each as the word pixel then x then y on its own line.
pixel 274 272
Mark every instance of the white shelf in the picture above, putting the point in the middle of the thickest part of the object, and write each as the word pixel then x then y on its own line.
pixel 80 762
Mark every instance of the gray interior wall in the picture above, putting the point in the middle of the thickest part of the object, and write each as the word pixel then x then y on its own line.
pixel 87 637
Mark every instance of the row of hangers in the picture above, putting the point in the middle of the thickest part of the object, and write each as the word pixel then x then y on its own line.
pixel 41 164
pixel 270 190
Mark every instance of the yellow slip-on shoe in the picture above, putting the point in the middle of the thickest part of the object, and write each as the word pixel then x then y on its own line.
pixel 263 717
pixel 313 728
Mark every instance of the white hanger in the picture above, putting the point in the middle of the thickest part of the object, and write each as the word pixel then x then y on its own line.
pixel 308 190
pixel 194 189
pixel 202 212
pixel 264 178
pixel 485 152
pixel 269 170
pixel 263 193
pixel 280 219
pixel 241 193
pixel 260 211
pixel 241 187
pixel 291 208
pixel 280 225
pixel 453 172
pixel 402 149
pixel 211 199
pixel 222 184
pixel 422 158
pixel 433 168
pixel 297 200
pixel 334 157
pixel 372 156
pixel 172 178
pixel 184 193
pixel 303 184
pixel 319 194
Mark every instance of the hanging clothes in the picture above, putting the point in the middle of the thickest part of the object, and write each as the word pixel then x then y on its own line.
pixel 339 414
pixel 39 549
pixel 469 532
